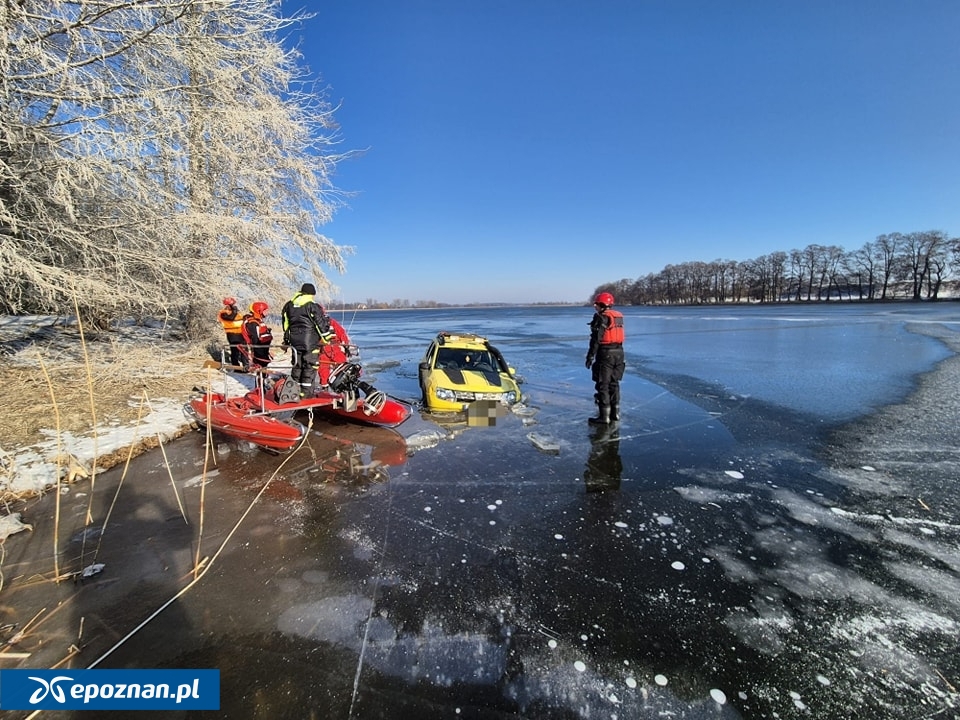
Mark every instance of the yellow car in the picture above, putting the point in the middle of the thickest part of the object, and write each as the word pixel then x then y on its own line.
pixel 460 368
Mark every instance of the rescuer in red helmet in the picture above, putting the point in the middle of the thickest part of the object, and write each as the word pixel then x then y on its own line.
pixel 257 336
pixel 605 358
pixel 231 320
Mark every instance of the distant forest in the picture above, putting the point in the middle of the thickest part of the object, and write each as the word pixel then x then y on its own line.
pixel 898 266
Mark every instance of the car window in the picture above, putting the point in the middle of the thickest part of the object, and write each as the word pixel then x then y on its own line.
pixel 450 359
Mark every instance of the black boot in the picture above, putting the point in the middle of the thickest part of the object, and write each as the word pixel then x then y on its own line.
pixel 602 418
pixel 614 412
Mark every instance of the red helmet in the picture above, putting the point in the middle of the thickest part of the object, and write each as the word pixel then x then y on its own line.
pixel 229 301
pixel 259 308
pixel 604 298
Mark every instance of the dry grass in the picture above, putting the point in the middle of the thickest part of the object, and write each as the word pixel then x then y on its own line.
pixel 120 374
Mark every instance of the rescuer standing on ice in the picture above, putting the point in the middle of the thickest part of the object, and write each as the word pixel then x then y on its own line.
pixel 605 358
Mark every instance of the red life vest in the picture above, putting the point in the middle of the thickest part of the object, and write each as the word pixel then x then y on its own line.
pixel 255 332
pixel 613 333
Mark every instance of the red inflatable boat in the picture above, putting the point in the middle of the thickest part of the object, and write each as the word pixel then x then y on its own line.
pixel 264 415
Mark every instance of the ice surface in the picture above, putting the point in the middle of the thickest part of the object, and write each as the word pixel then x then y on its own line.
pixel 544 443
pixel 837 578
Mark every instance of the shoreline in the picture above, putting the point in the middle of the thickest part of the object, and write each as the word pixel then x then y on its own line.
pixel 918 433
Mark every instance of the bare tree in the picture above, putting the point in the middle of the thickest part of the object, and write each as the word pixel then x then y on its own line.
pixel 831 271
pixel 861 268
pixel 155 154
pixel 937 246
pixel 924 254
pixel 887 249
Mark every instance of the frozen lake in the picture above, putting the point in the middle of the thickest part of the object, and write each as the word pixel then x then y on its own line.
pixel 745 543
pixel 833 362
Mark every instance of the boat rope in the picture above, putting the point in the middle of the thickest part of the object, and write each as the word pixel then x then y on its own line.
pixel 373 600
pixel 343 316
pixel 207 562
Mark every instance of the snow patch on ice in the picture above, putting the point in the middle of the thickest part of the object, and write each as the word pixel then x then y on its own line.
pixel 197 479
pixel 10 525
pixel 705 495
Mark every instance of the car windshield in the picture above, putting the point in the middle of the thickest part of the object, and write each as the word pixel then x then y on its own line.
pixel 460 359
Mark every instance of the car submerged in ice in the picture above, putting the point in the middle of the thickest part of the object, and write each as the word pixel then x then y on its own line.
pixel 460 368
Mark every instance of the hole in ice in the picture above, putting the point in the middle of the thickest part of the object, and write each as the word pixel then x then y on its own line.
pixel 660 680
pixel 735 474
pixel 718 696
pixel 631 683
pixel 579 666
pixel 677 565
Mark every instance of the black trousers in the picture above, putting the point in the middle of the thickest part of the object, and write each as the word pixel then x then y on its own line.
pixel 607 373
pixel 307 347
pixel 235 340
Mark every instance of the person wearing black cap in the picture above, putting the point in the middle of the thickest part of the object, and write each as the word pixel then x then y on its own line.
pixel 305 325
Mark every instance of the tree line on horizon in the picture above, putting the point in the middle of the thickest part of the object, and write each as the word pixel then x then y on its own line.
pixel 895 266
pixel 155 157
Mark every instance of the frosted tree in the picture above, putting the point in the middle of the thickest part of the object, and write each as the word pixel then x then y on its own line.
pixel 156 154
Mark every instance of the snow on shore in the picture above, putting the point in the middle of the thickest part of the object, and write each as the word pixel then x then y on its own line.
pixel 33 470
pixel 27 471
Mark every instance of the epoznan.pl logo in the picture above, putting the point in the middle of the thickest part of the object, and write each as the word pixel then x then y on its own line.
pixel 110 690
pixel 48 687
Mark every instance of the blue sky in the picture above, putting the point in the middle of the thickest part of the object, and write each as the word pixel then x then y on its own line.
pixel 530 150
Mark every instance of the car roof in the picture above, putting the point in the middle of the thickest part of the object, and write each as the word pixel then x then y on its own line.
pixel 461 339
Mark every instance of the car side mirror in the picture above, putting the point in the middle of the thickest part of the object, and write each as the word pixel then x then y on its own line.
pixel 511 371
pixel 425 365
